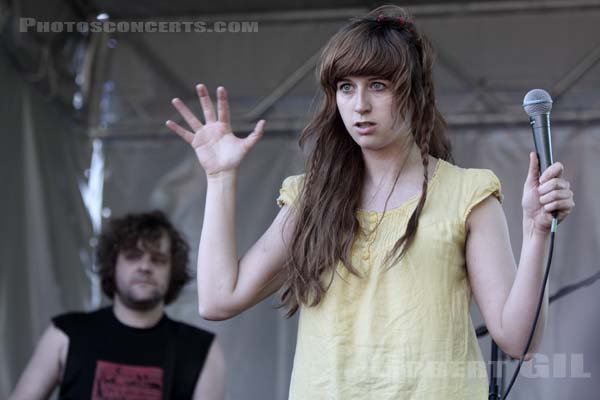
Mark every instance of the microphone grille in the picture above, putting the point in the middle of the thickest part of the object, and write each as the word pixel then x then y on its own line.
pixel 536 102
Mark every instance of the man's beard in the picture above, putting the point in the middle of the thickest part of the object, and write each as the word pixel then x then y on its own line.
pixel 147 304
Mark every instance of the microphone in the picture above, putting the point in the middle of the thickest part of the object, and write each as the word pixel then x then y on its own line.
pixel 537 104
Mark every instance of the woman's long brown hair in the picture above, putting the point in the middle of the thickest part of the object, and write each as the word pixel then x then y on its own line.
pixel 387 44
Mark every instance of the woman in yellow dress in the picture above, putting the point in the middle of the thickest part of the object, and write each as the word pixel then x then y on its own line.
pixel 383 241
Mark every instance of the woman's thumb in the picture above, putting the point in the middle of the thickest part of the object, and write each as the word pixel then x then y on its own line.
pixel 533 176
pixel 256 134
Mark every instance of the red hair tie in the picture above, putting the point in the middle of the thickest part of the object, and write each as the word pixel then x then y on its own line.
pixel 382 18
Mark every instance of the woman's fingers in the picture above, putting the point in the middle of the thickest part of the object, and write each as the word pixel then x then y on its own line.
pixel 185 112
pixel 206 103
pixel 553 184
pixel 207 108
pixel 184 133
pixel 556 195
pixel 222 105
pixel 554 171
pixel 561 205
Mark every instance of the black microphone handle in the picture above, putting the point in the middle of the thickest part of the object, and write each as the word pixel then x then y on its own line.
pixel 542 138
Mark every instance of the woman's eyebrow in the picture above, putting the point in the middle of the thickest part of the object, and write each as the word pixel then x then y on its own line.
pixel 370 78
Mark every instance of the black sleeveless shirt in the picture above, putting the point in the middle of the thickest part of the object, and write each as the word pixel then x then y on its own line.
pixel 108 360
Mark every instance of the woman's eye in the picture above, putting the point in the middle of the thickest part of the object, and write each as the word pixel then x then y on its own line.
pixel 344 87
pixel 378 86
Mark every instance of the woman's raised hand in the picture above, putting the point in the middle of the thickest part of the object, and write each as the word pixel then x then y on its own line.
pixel 217 148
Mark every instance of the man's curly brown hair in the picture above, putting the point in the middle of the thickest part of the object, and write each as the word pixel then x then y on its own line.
pixel 124 233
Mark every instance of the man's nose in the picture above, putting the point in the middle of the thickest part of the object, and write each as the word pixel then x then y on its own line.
pixel 145 264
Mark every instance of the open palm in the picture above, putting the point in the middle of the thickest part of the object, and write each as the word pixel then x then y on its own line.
pixel 217 148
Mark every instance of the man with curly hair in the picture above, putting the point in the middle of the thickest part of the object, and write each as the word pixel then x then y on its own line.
pixel 130 350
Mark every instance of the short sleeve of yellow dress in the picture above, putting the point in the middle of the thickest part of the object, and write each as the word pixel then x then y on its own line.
pixel 290 188
pixel 481 184
pixel 400 330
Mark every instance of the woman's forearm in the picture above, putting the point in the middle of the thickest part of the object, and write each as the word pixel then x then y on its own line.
pixel 519 310
pixel 217 269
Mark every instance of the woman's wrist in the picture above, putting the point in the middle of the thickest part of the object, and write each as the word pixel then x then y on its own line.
pixel 221 176
pixel 532 231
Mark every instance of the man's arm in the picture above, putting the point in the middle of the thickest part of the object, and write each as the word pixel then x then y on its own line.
pixel 43 371
pixel 211 382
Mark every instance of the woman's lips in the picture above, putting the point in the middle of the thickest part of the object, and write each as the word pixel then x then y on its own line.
pixel 365 128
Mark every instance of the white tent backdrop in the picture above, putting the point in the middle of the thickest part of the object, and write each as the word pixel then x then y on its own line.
pixel 487 61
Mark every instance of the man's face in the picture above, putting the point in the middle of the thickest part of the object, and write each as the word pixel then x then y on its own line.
pixel 142 274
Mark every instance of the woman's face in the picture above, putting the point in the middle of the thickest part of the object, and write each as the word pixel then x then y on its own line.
pixel 366 105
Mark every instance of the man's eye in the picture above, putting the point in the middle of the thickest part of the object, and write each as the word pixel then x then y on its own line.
pixel 131 255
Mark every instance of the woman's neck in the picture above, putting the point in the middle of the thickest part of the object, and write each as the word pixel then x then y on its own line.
pixel 382 166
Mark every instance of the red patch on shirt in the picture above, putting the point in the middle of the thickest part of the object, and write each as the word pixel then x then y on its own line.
pixel 132 382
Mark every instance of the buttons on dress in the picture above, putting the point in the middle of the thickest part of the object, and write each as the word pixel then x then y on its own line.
pixel 368 226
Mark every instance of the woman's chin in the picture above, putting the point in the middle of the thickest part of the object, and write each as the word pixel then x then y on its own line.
pixel 369 143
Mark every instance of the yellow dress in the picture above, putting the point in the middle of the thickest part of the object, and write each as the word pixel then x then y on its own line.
pixel 404 333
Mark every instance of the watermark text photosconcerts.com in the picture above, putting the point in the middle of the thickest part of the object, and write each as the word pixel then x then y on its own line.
pixel 33 25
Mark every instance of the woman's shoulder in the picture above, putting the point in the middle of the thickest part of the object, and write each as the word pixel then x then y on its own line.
pixel 290 189
pixel 466 175
pixel 467 187
pixel 473 183
pixel 294 179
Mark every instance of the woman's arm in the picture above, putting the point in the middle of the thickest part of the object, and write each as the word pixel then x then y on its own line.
pixel 506 295
pixel 226 285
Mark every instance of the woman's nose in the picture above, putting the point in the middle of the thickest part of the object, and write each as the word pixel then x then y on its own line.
pixel 362 104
